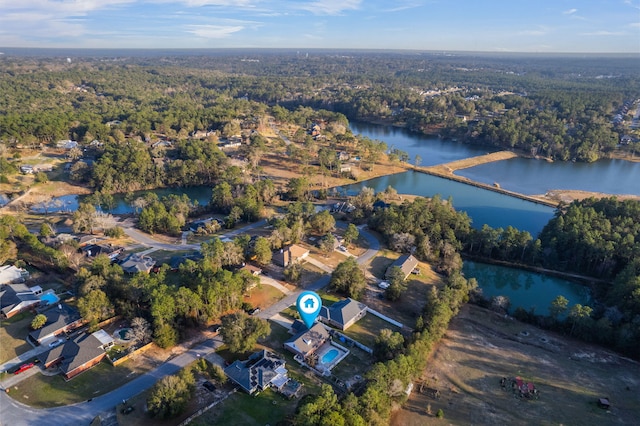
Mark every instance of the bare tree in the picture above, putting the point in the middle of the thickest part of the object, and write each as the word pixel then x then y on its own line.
pixel 140 331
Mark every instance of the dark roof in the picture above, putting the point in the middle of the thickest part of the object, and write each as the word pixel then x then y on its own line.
pixel 406 263
pixel 57 319
pixel 80 350
pixel 257 372
pixel 93 250
pixel 12 295
pixel 135 262
pixel 343 312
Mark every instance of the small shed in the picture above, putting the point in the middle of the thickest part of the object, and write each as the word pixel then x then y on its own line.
pixel 604 403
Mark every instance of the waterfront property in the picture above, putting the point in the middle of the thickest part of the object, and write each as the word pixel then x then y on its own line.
pixel 263 369
pixel 407 263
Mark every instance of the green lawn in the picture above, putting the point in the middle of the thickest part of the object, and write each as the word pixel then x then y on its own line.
pixel 367 329
pixel 13 332
pixel 241 409
pixel 52 391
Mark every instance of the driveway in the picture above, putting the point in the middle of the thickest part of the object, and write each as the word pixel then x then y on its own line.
pixel 16 414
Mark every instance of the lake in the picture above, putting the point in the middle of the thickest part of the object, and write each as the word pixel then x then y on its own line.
pixel 523 288
pixel 69 203
pixel 523 175
pixel 431 149
pixel 482 205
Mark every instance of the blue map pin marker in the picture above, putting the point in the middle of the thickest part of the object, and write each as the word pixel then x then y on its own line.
pixel 308 304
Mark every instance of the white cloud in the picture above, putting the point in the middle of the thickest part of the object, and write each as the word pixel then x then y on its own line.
pixel 569 12
pixel 214 31
pixel 635 25
pixel 328 7
pixel 604 33
pixel 542 30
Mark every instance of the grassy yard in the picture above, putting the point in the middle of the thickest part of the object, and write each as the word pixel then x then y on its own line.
pixel 241 409
pixel 357 362
pixel 52 391
pixel 367 329
pixel 263 295
pixel 13 333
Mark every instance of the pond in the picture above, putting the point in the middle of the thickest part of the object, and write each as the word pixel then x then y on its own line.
pixel 69 203
pixel 524 289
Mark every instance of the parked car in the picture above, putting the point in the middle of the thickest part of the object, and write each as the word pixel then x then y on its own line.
pixel 342 248
pixel 209 386
pixel 24 367
pixel 256 311
pixel 56 343
pixel 384 285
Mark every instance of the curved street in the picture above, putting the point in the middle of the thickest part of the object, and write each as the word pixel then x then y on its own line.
pixel 13 413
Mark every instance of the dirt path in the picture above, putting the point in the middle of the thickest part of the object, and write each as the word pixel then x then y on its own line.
pixel 481 347
pixel 465 163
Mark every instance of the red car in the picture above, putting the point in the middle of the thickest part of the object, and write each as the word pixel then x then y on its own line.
pixel 24 367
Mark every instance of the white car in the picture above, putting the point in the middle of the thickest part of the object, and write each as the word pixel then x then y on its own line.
pixel 384 285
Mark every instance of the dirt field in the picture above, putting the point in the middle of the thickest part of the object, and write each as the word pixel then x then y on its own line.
pixel 481 347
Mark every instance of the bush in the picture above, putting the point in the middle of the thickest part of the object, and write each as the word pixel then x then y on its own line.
pixel 115 232
pixel 440 414
pixel 41 177
pixel 38 321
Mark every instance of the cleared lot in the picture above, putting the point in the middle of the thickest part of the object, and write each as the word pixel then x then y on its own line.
pixel 481 347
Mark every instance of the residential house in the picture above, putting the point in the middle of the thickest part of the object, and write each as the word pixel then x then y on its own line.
pixel 406 262
pixel 289 255
pixel 67 144
pixel 343 156
pixel 252 269
pixel 93 250
pixel 27 170
pixel 75 356
pixel 308 341
pixel 343 314
pixel 10 274
pixel 61 319
pixel 262 370
pixel 16 298
pixel 134 263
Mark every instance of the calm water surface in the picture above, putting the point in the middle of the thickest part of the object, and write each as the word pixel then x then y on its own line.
pixel 69 203
pixel 523 288
pixel 482 205
pixel 523 175
pixel 431 149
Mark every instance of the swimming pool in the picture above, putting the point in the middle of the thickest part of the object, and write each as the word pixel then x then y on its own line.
pixel 49 298
pixel 330 355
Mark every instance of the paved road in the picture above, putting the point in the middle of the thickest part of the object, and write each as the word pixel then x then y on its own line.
pixel 374 246
pixel 13 413
pixel 147 240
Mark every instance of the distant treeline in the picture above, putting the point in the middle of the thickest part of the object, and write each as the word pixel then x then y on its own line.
pixel 557 107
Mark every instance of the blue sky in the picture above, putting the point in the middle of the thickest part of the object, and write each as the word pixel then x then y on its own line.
pixel 476 25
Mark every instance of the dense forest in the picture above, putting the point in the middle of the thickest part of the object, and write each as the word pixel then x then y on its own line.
pixel 597 238
pixel 562 108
